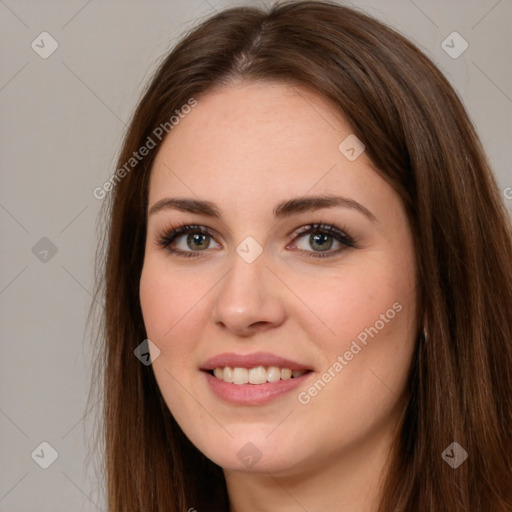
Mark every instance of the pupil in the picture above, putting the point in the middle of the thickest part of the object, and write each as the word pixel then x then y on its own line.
pixel 321 236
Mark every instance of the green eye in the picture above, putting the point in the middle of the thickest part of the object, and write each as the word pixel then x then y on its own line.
pixel 321 238
pixel 199 237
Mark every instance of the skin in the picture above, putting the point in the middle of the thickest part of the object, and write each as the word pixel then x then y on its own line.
pixel 247 147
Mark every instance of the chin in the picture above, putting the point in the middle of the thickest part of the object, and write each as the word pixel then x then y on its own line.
pixel 251 452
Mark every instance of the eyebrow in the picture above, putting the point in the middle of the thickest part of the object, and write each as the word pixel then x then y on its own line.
pixel 281 210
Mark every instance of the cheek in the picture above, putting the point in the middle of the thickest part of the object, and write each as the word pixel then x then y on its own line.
pixel 166 298
pixel 156 303
pixel 374 315
pixel 171 306
pixel 356 297
pixel 370 311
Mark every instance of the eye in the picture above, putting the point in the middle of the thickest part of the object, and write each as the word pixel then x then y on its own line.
pixel 198 237
pixel 321 240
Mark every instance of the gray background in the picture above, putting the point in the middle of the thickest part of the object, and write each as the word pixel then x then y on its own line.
pixel 61 127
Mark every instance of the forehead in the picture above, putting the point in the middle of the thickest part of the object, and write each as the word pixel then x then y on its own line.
pixel 252 144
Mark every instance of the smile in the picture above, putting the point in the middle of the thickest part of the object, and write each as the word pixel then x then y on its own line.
pixel 258 375
pixel 253 379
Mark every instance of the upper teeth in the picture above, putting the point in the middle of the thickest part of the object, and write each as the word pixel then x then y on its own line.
pixel 258 375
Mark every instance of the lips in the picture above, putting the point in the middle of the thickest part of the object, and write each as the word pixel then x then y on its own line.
pixel 270 376
pixel 251 361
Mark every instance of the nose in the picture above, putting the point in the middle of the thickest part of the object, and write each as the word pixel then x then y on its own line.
pixel 249 298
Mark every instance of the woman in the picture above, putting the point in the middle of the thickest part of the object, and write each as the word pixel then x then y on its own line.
pixel 306 242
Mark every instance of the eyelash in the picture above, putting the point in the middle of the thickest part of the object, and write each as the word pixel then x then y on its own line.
pixel 168 236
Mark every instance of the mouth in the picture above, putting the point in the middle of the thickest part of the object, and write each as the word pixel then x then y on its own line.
pixel 253 379
pixel 255 376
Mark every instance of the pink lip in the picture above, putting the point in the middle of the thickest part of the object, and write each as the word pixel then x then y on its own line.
pixel 251 361
pixel 252 394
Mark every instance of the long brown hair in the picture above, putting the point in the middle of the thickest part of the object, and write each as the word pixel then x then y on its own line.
pixel 419 137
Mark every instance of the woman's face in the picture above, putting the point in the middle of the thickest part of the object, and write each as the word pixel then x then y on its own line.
pixel 258 286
